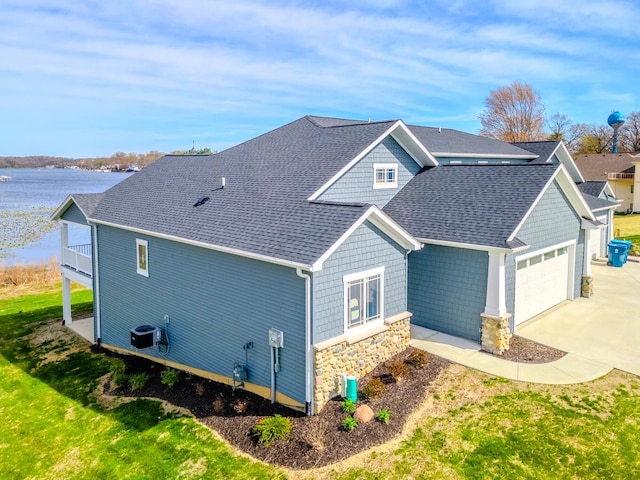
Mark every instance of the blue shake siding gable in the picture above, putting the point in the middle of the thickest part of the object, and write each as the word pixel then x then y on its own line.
pixel 356 185
pixel 448 289
pixel 551 222
pixel 74 214
pixel 216 303
pixel 365 249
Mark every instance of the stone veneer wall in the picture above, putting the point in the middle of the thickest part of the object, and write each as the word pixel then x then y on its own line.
pixel 495 336
pixel 587 286
pixel 356 356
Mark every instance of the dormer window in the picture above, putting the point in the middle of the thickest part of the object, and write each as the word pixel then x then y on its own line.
pixel 385 175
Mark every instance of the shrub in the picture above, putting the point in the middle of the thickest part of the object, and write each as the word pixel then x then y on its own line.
pixel 383 416
pixel 199 389
pixel 117 366
pixel 271 429
pixel 418 358
pixel 138 380
pixel 398 369
pixel 373 389
pixel 169 377
pixel 348 406
pixel 119 380
pixel 349 423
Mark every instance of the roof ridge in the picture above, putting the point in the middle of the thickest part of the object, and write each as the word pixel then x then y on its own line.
pixel 352 123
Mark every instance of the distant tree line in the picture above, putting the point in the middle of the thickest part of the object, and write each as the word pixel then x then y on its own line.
pixel 515 113
pixel 117 161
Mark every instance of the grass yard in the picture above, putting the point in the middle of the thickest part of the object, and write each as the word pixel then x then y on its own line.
pixel 471 426
pixel 627 227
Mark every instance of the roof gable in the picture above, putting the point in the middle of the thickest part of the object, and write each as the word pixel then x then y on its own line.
pixel 86 202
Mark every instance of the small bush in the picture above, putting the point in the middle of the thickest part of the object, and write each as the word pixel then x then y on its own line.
pixel 199 389
pixel 272 429
pixel 398 369
pixel 240 405
pixel 349 423
pixel 138 380
pixel 169 377
pixel 348 406
pixel 373 389
pixel 218 405
pixel 383 416
pixel 119 380
pixel 117 366
pixel 418 358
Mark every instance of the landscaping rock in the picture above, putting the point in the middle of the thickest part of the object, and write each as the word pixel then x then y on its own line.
pixel 363 414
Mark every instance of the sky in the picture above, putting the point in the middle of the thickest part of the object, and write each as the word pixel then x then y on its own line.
pixel 85 78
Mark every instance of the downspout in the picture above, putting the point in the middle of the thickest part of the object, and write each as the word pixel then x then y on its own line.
pixel 307 339
pixel 96 287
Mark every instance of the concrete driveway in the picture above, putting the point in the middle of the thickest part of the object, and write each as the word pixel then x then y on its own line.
pixel 604 328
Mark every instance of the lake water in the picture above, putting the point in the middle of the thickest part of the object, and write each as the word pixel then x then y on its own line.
pixel 44 190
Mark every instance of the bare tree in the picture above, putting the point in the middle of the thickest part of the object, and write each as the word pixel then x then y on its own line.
pixel 513 114
pixel 562 128
pixel 630 133
pixel 597 139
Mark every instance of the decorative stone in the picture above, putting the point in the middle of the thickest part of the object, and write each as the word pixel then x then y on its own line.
pixel 587 286
pixel 363 414
pixel 495 335
pixel 357 358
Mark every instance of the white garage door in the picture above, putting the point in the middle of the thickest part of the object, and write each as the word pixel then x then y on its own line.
pixel 595 245
pixel 542 281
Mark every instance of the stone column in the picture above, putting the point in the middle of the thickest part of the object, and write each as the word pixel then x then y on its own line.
pixel 587 286
pixel 495 336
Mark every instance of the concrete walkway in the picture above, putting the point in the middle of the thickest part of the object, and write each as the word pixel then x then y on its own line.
pixel 599 333
pixel 83 327
pixel 569 369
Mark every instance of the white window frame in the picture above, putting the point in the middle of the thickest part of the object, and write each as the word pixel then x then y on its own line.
pixel 347 280
pixel 386 167
pixel 139 265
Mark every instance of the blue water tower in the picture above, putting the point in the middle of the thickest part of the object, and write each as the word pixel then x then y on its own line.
pixel 615 121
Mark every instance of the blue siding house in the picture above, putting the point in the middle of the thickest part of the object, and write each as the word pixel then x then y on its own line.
pixel 286 262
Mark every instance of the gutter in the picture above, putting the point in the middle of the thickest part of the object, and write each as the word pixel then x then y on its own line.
pixel 308 357
pixel 96 293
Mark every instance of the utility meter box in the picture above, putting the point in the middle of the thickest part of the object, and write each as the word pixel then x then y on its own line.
pixel 276 338
pixel 145 336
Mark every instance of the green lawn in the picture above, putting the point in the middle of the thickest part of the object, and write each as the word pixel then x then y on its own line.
pixel 52 428
pixel 477 426
pixel 627 227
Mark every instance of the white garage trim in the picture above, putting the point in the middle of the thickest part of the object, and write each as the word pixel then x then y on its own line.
pixel 543 278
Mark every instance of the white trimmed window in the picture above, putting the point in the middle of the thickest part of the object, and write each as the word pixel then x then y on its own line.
pixel 142 256
pixel 385 175
pixel 363 298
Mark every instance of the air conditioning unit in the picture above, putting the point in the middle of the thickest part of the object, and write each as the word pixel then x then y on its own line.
pixel 145 336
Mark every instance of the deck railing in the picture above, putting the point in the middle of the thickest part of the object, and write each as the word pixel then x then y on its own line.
pixel 620 176
pixel 78 257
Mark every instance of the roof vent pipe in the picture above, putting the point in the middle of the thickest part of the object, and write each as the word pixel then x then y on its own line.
pixel 439 129
pixel 224 182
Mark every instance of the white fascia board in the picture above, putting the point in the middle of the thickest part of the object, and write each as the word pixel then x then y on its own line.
pixel 208 246
pixel 567 160
pixel 483 155
pixel 589 225
pixel 472 246
pixel 569 188
pixel 381 220
pixel 413 146
pixel 403 136
pixel 62 208
pixel 609 191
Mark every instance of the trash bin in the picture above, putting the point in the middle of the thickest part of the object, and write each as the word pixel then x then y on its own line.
pixel 617 254
pixel 627 244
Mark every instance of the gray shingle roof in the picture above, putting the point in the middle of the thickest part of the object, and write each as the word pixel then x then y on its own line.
pixel 263 208
pixel 543 149
pixel 479 204
pixel 592 187
pixel 596 204
pixel 445 140
pixel 87 202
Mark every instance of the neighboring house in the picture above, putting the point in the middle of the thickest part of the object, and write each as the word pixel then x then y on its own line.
pixel 303 254
pixel 619 169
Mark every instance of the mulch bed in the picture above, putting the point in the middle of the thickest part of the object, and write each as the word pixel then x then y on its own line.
pixel 314 441
pixel 523 350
